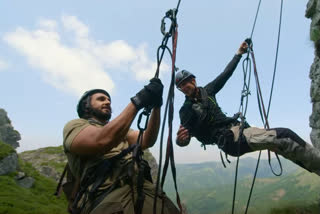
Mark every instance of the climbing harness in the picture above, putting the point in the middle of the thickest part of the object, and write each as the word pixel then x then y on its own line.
pixel 246 92
pixel 94 177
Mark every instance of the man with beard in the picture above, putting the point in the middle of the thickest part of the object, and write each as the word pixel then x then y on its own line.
pixel 201 117
pixel 100 154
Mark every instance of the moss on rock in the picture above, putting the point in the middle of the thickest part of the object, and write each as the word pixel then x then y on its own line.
pixel 5 150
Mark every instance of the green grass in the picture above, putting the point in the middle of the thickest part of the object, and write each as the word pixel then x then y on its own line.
pixel 315 34
pixel 300 209
pixel 5 150
pixel 47 150
pixel 53 150
pixel 38 199
pixel 59 167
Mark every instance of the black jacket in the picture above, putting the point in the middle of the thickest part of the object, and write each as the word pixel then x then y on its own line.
pixel 203 116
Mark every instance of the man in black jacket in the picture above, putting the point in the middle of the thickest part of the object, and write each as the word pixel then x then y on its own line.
pixel 202 118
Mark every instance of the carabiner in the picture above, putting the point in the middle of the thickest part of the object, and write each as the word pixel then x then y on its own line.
pixel 146 112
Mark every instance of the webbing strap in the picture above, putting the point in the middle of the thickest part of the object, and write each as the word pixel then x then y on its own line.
pixel 137 161
pixel 96 176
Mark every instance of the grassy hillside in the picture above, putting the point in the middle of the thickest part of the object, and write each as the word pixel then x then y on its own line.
pixel 204 188
pixel 298 191
pixel 38 199
pixel 297 209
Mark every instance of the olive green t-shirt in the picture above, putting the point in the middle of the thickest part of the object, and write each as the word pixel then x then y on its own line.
pixel 79 164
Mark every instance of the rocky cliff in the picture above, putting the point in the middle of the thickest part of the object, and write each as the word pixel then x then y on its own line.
pixel 8 142
pixel 9 162
pixel 8 159
pixel 313 12
pixel 7 133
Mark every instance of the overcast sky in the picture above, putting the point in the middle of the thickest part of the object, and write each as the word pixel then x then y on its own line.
pixel 53 51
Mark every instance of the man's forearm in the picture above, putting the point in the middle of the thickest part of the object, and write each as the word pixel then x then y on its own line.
pixel 117 129
pixel 216 85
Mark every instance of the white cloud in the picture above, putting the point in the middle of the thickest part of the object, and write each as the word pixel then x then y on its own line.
pixel 72 24
pixel 3 65
pixel 115 54
pixel 48 24
pixel 83 64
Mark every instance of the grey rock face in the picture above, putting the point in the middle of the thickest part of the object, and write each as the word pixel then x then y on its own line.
pixel 315 136
pixel 40 159
pixel 49 172
pixel 313 12
pixel 20 175
pixel 9 164
pixel 7 133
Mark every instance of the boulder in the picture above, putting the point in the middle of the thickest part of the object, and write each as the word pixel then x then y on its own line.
pixel 26 182
pixel 9 164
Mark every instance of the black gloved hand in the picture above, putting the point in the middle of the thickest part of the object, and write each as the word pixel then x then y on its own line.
pixel 156 88
pixel 150 96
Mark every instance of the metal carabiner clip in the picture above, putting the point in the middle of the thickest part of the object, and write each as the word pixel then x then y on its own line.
pixel 170 14
pixel 146 112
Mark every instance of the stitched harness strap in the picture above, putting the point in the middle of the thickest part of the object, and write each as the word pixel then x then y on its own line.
pixel 95 177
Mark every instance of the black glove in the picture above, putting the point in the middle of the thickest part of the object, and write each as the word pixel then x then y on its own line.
pixel 156 88
pixel 150 96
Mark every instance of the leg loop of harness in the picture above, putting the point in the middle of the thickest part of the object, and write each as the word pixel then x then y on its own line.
pixel 222 144
pixel 227 138
pixel 222 160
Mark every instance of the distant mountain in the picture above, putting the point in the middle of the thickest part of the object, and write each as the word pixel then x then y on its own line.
pixel 211 174
pixel 208 187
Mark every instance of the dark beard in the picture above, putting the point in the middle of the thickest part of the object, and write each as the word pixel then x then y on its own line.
pixel 100 115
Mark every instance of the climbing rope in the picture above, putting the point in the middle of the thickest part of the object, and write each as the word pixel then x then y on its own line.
pixel 246 65
pixel 263 114
pixel 267 114
pixel 172 32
